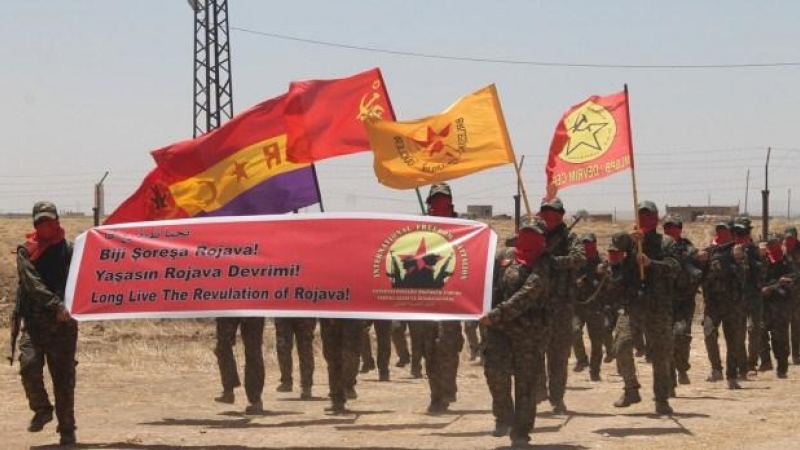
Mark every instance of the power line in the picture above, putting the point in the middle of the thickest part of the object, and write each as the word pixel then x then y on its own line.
pixel 515 61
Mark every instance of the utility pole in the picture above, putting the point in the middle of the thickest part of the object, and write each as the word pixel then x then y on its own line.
pixel 517 209
pixel 765 201
pixel 746 190
pixel 789 206
pixel 213 90
pixel 98 211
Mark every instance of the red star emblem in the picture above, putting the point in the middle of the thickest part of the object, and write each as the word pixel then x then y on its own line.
pixel 434 143
pixel 419 257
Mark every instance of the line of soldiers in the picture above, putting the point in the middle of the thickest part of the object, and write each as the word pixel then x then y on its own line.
pixel 548 283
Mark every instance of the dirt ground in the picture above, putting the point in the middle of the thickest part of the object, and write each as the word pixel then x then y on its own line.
pixel 150 385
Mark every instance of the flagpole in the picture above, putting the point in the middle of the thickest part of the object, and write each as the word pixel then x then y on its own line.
pixel 316 185
pixel 394 118
pixel 521 186
pixel 633 182
pixel 517 165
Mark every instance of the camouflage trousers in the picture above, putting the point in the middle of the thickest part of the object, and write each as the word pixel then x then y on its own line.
pixel 755 328
pixel 252 330
pixel 514 359
pixel 683 314
pixel 776 326
pixel 287 332
pixel 57 350
pixel 557 349
pixel 383 334
pixel 598 325
pixel 401 345
pixel 341 344
pixel 656 321
pixel 441 347
pixel 475 334
pixel 728 311
pixel 794 325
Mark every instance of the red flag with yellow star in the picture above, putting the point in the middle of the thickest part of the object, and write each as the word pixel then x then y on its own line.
pixel 469 136
pixel 592 141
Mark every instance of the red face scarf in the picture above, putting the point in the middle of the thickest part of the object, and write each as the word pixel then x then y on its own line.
pixel 774 252
pixel 47 233
pixel 551 218
pixel 648 221
pixel 615 256
pixel 591 249
pixel 741 239
pixel 440 206
pixel 530 246
pixel 790 243
pixel 723 236
pixel 673 232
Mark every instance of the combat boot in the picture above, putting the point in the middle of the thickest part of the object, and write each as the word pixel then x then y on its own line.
pixel 416 373
pixel 402 362
pixel 520 442
pixel 683 377
pixel 559 408
pixel 367 366
pixel 781 373
pixel 500 429
pixel 766 365
pixel 609 357
pixel 67 438
pixel 255 408
pixel 336 408
pixel 629 397
pixel 716 375
pixel 39 420
pixel 579 366
pixel 383 376
pixel 350 393
pixel 225 397
pixel 663 408
pixel 437 407
pixel 733 384
pixel 284 387
pixel 306 394
pixel 594 376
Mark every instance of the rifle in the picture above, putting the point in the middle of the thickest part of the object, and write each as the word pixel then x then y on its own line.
pixel 443 273
pixel 16 322
pixel 581 214
pixel 395 273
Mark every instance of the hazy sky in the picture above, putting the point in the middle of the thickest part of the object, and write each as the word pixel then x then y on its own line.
pixel 93 86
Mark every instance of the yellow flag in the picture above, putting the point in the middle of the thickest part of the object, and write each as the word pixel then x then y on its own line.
pixel 469 136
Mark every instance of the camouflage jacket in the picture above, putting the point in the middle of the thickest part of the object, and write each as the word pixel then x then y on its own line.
pixel 751 271
pixel 721 271
pixel 566 256
pixel 659 282
pixel 525 291
pixel 689 277
pixel 40 293
pixel 593 287
pixel 774 272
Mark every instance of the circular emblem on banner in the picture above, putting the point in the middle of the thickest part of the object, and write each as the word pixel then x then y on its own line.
pixel 591 130
pixel 421 260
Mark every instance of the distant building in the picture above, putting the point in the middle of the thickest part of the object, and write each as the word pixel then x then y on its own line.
pixel 479 210
pixel 601 217
pixel 695 213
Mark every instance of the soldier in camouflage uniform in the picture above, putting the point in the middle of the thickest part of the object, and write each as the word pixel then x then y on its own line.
pixel 792 251
pixel 724 304
pixel 289 330
pixel 777 292
pixel 567 255
pixel 592 309
pixel 683 306
pixel 516 330
pixel 49 334
pixel 341 344
pixel 442 341
pixel 651 305
pixel 472 330
pixel 252 338
pixel 750 285
pixel 401 345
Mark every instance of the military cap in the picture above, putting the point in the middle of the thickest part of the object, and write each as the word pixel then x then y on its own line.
pixel 774 237
pixel 673 220
pixel 439 189
pixel 722 225
pixel 534 224
pixel 620 241
pixel 647 205
pixel 554 204
pixel 740 229
pixel 43 210
pixel 589 237
pixel 745 221
pixel 790 231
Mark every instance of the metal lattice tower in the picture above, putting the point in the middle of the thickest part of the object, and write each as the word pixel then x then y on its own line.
pixel 213 91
